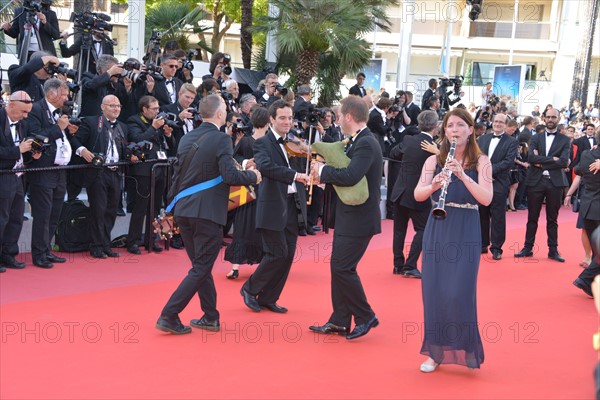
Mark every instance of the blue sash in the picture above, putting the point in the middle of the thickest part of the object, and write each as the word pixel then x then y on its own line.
pixel 194 189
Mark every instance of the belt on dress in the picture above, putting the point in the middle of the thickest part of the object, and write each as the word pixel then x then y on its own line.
pixel 465 205
pixel 113 168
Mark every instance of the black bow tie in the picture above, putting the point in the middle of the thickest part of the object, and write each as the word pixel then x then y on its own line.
pixel 169 82
pixel 113 124
pixel 97 41
pixel 497 137
pixel 14 124
pixel 280 140
pixel 550 133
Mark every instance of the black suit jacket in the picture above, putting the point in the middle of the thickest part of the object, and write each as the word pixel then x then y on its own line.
pixel 358 91
pixel 540 162
pixel 9 151
pixel 48 31
pixel 425 99
pixel 178 132
pixel 413 158
pixel 377 125
pixel 93 135
pixel 271 207
pixel 590 199
pixel 87 65
pixel 413 112
pixel 213 158
pixel 161 94
pixel 503 159
pixel 23 78
pixel 94 88
pixel 41 123
pixel 137 131
pixel 365 160
pixel 582 144
pixel 301 108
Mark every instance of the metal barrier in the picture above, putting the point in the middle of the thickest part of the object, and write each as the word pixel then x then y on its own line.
pixel 149 215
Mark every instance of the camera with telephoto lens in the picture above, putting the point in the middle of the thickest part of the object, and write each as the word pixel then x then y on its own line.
pixel 151 69
pixel 40 144
pixel 314 115
pixel 281 89
pixel 170 119
pixel 227 64
pixel 188 64
pixel 67 109
pixel 73 87
pixel 98 160
pixel 62 68
pixel 140 149
pixel 456 82
pixel 238 127
pixel 90 21
pixel 132 65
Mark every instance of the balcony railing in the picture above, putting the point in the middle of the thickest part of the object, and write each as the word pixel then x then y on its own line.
pixel 538 30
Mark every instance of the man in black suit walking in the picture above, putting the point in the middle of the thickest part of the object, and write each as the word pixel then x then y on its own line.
pixel 47 188
pixel 548 156
pixel 12 148
pixel 102 135
pixel 354 225
pixel 502 151
pixel 281 197
pixel 406 208
pixel 205 157
pixel 358 89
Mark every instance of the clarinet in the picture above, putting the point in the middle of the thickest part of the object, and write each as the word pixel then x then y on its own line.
pixel 439 211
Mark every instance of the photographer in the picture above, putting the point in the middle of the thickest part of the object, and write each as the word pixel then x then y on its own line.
pixel 189 117
pixel 270 92
pixel 378 123
pixel 13 146
pixel 220 68
pixel 331 133
pixel 302 103
pixel 135 90
pixel 146 126
pixel 99 44
pixel 246 102
pixel 230 93
pixel 31 76
pixel 486 94
pixel 185 66
pixel 47 189
pixel 44 22
pixel 95 87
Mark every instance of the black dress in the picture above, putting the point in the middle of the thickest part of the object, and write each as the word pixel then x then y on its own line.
pixel 246 246
pixel 451 254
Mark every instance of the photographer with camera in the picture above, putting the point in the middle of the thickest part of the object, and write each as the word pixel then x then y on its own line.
pixel 189 117
pixel 94 88
pixel 331 133
pixel 100 140
pixel 43 21
pixel 99 44
pixel 230 93
pixel 271 91
pixel 31 77
pixel 486 94
pixel 147 126
pixel 47 120
pixel 13 147
pixel 220 68
pixel 185 68
pixel 246 102
pixel 378 123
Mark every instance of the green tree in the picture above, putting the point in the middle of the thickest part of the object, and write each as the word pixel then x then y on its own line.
pixel 583 59
pixel 323 38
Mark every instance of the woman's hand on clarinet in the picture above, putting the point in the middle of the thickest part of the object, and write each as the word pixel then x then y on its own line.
pixel 455 166
pixel 439 179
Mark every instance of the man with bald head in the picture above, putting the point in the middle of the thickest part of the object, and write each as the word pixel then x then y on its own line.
pixel 102 136
pixel 13 147
pixel 548 157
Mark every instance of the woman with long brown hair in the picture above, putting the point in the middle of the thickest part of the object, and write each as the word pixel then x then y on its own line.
pixel 451 246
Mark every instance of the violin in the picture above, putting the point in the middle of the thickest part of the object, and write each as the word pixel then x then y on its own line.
pixel 298 147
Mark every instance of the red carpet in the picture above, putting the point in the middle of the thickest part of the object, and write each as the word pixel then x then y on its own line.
pixel 85 330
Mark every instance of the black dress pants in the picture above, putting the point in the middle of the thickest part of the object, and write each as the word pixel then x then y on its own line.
pixel 103 193
pixel 12 205
pixel 46 204
pixel 402 215
pixel 536 195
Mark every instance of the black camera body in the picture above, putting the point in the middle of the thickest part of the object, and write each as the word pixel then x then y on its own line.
pixel 281 89
pixel 90 21
pixel 314 115
pixel 227 64
pixel 132 65
pixel 68 110
pixel 62 68
pixel 188 64
pixel 141 150
pixel 456 82
pixel 98 160
pixel 170 118
pixel 239 127
pixel 40 144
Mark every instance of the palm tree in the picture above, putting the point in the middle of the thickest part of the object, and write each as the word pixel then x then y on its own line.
pixel 326 33
pixel 245 34
pixel 583 59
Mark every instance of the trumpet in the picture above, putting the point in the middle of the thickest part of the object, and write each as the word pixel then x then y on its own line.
pixel 439 211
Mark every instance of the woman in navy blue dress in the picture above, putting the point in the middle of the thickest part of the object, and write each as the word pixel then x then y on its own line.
pixel 451 246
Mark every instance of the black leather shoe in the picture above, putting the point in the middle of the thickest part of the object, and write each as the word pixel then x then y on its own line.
pixel 120 212
pixel 580 283
pixel 43 263
pixel 302 232
pixel 484 250
pixel 110 253
pixel 10 262
pixel 555 255
pixel 316 228
pixel 310 231
pixel 2 269
pixel 97 254
pixel 363 329
pixel 249 300
pixel 412 273
pixel 176 243
pixel 525 252
pixel 156 248
pixel 496 255
pixel 329 329
pixel 134 249
pixel 55 259
pixel 397 270
pixel 172 325
pixel 521 207
pixel 233 274
pixel 206 324
pixel 275 308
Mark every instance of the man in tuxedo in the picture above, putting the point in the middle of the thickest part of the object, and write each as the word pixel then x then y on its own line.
pixel 378 123
pixel 165 91
pixel 246 102
pixel 433 84
pixel 548 156
pixel 585 142
pixel 98 46
pixel 31 76
pixel 46 24
pixel 146 127
pixel 302 104
pixel 412 110
pixel 501 148
pixel 268 94
pixel 47 188
pixel 95 87
pixel 184 111
pixel 281 197
pixel 354 225
pixel 358 89
pixel 589 168
pixel 102 135
pixel 13 146
pixel 205 156
pixel 406 208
